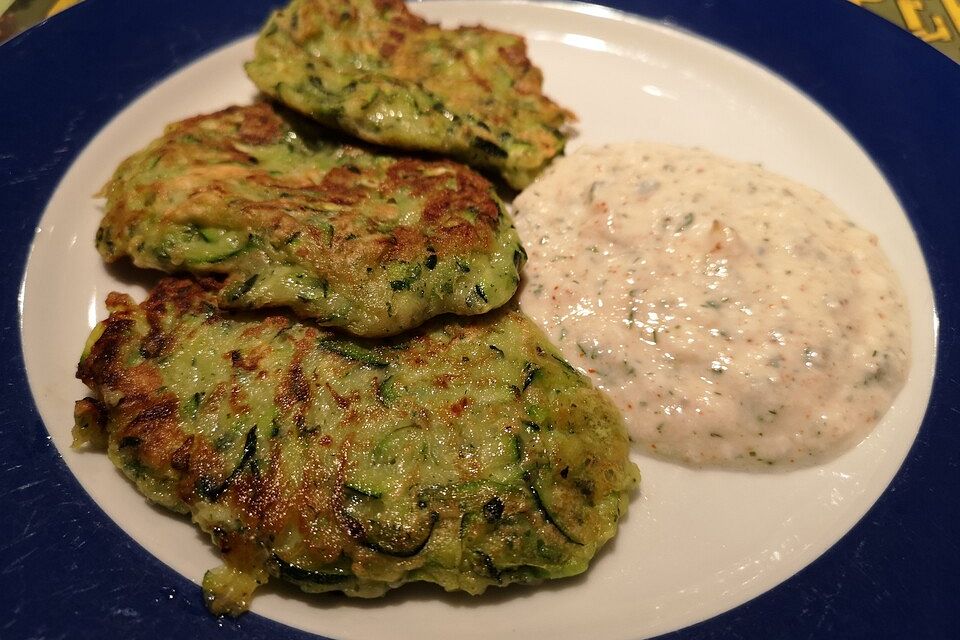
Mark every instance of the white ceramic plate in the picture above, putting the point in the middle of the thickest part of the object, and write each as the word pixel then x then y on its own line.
pixel 695 543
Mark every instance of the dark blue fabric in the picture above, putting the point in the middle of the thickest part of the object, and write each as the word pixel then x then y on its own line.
pixel 66 570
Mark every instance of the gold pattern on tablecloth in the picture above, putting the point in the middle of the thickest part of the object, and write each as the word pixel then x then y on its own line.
pixel 936 22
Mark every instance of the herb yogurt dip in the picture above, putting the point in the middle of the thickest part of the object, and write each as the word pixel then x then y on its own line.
pixel 736 318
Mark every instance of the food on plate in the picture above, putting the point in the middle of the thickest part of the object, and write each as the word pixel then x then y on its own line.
pixel 737 318
pixel 377 71
pixel 466 453
pixel 361 240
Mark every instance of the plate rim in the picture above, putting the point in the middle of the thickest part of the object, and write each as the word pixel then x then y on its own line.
pixel 859 565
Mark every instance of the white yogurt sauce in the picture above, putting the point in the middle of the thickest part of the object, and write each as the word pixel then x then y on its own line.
pixel 737 318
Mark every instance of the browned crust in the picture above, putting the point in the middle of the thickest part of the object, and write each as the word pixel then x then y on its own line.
pixel 215 170
pixel 146 424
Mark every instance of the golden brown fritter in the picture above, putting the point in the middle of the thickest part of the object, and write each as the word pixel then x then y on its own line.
pixel 358 239
pixel 467 454
pixel 377 71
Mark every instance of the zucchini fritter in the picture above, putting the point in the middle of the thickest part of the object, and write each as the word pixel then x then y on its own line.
pixel 467 453
pixel 367 242
pixel 376 70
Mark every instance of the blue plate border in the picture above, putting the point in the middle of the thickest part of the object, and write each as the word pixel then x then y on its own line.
pixel 66 570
